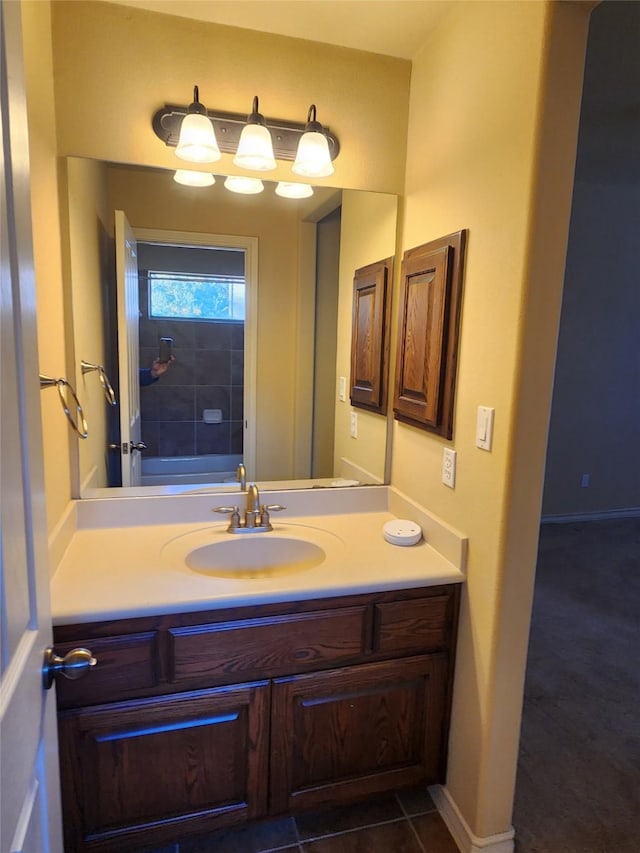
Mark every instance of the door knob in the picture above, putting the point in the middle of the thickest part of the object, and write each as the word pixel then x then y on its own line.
pixel 75 664
pixel 138 445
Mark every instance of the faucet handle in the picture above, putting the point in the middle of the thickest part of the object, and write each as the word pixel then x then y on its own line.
pixel 273 507
pixel 226 510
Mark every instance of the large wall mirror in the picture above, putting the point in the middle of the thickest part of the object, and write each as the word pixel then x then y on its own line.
pixel 258 359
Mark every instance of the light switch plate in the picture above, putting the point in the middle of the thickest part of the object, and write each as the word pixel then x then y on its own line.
pixel 342 388
pixel 449 467
pixel 484 427
pixel 354 424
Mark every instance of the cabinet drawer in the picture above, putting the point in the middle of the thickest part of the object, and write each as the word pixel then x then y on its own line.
pixel 421 625
pixel 125 665
pixel 275 645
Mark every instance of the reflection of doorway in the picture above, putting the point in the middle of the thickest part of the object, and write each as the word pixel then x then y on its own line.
pixel 196 419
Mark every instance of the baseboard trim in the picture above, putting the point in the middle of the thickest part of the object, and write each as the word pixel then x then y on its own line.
pixel 596 515
pixel 465 839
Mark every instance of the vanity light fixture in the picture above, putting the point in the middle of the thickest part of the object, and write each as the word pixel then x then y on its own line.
pixel 313 159
pixel 194 179
pixel 255 149
pixel 243 184
pixel 197 142
pixel 227 131
pixel 291 190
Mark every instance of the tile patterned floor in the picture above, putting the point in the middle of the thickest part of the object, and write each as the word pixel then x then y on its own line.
pixel 405 822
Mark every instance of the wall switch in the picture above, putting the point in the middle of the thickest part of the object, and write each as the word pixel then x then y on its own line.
pixel 449 467
pixel 484 427
pixel 585 481
pixel 354 425
pixel 342 388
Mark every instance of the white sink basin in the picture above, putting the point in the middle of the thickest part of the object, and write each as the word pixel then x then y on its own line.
pixel 287 549
pixel 255 556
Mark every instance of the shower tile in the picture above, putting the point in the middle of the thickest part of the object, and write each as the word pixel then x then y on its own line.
pixel 237 403
pixel 213 336
pixel 237 367
pixel 237 336
pixel 212 438
pixel 150 433
pixel 149 403
pixel 212 367
pixel 213 397
pixel 176 403
pixel 182 332
pixel 182 369
pixel 236 439
pixel 176 439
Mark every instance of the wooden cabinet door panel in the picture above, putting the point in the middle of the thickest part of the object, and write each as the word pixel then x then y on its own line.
pixel 248 648
pixel 150 771
pixel 418 626
pixel 428 328
pixel 126 664
pixel 370 336
pixel 349 733
pixel 419 376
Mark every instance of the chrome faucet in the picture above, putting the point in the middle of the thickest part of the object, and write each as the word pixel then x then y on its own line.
pixel 255 519
pixel 241 476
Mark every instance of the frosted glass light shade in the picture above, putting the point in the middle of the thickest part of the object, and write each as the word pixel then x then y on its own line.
pixel 292 190
pixel 243 185
pixel 194 179
pixel 255 149
pixel 197 141
pixel 312 158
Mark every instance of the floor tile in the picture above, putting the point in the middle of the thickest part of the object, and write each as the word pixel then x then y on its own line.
pixel 416 800
pixel 341 818
pixel 433 833
pixel 397 837
pixel 259 837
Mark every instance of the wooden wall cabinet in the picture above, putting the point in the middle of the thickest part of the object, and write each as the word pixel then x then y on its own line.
pixel 429 319
pixel 352 699
pixel 370 336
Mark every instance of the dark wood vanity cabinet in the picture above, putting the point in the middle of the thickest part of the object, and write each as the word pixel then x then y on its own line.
pixel 197 721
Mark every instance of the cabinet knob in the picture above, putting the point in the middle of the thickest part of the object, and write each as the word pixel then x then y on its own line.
pixel 75 664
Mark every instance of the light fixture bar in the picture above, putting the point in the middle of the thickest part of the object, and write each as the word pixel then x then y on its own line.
pixel 228 127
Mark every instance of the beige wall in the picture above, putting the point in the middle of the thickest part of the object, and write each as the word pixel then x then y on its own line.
pixel 115 66
pixel 493 117
pixel 368 234
pixel 57 436
pixel 89 231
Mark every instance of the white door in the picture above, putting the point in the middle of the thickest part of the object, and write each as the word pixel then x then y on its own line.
pixel 30 808
pixel 128 350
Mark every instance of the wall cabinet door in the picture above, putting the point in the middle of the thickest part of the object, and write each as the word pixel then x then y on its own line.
pixel 349 733
pixel 149 771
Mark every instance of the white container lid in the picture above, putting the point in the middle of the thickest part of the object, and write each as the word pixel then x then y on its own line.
pixel 401 531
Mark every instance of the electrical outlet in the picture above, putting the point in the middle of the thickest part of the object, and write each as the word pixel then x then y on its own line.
pixel 449 467
pixel 354 424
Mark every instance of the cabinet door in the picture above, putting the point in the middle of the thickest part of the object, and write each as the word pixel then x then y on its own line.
pixel 352 732
pixel 149 772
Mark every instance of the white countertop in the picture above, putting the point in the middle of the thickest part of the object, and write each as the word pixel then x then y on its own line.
pixel 121 571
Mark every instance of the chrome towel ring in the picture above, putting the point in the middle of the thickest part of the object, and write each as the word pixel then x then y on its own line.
pixel 64 387
pixel 109 393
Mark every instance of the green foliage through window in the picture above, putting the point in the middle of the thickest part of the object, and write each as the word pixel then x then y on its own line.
pixel 196 297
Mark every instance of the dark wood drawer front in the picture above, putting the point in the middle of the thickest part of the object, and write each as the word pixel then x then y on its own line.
pixel 403 627
pixel 275 645
pixel 126 665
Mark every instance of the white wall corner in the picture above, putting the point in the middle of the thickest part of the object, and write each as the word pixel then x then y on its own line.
pixel 61 535
pixel 456 824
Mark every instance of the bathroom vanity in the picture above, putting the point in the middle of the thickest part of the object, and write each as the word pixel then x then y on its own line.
pixel 284 694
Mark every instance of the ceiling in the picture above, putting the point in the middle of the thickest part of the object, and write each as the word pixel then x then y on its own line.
pixel 391 27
